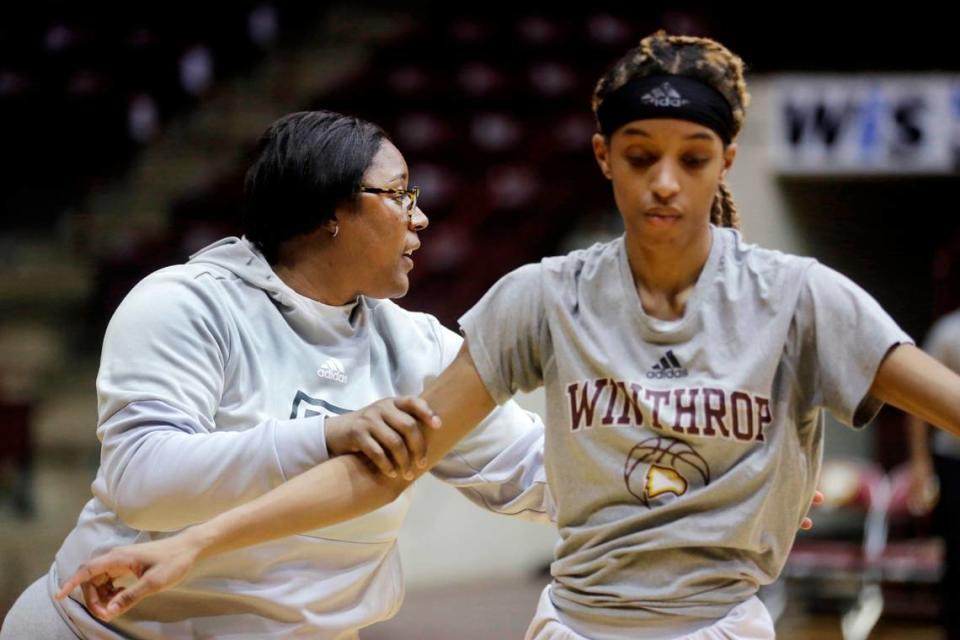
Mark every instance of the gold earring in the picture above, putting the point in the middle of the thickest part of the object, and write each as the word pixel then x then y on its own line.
pixel 336 230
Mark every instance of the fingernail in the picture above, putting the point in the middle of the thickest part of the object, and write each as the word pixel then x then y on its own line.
pixel 392 474
pixel 408 475
pixel 422 462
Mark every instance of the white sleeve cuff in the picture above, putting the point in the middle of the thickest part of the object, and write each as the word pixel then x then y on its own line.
pixel 301 444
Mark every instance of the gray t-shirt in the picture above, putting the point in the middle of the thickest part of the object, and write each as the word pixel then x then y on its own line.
pixel 682 454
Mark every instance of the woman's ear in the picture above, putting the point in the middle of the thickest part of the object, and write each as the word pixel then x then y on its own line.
pixel 331 226
pixel 729 154
pixel 602 153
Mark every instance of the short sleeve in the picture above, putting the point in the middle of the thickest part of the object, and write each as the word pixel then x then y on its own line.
pixel 844 335
pixel 506 332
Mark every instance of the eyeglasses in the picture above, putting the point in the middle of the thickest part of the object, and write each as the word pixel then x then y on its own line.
pixel 406 198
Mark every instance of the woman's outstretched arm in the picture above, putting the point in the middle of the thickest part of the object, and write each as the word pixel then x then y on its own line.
pixel 917 383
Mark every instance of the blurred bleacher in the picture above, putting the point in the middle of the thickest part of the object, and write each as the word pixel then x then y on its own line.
pixel 128 131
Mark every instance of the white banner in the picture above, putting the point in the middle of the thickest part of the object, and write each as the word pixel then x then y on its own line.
pixel 887 124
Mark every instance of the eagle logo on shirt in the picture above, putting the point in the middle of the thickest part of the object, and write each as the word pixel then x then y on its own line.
pixel 659 467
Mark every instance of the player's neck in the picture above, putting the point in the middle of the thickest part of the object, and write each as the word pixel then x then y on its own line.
pixel 667 268
pixel 317 289
pixel 315 274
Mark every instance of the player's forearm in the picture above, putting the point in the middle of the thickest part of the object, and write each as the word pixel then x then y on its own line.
pixel 911 380
pixel 347 487
pixel 340 489
pixel 919 434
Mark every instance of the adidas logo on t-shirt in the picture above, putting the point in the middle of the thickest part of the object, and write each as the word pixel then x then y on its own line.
pixel 668 367
pixel 664 96
pixel 332 370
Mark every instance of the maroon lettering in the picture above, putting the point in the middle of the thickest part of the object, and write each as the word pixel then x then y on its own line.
pixel 714 413
pixel 658 397
pixel 635 390
pixel 742 421
pixel 581 413
pixel 612 402
pixel 685 410
pixel 765 417
pixel 708 411
pixel 624 417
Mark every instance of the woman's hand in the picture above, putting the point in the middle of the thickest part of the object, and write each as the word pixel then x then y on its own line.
pixel 389 426
pixel 118 580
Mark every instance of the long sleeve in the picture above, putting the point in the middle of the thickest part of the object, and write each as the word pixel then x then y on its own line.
pixel 163 471
pixel 511 483
pixel 499 465
pixel 164 464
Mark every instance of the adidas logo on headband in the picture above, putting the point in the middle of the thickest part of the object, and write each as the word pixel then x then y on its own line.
pixel 664 96
pixel 667 96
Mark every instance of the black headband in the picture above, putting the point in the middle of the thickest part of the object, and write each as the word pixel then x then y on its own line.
pixel 667 96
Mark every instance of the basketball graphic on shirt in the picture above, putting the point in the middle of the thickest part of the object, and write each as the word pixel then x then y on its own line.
pixel 657 468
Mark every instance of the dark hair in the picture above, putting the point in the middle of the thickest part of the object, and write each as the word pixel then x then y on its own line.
pixel 701 58
pixel 307 164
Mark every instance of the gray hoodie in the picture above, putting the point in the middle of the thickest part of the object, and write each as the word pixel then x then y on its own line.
pixel 215 380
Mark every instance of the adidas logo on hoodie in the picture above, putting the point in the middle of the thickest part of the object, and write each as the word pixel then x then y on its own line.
pixel 332 370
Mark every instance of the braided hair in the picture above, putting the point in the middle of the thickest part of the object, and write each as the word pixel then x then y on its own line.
pixel 700 58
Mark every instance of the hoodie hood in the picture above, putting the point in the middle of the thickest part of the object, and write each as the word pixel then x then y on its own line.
pixel 240 257
pixel 314 320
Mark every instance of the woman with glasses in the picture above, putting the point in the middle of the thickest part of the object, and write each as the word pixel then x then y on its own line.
pixel 258 359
